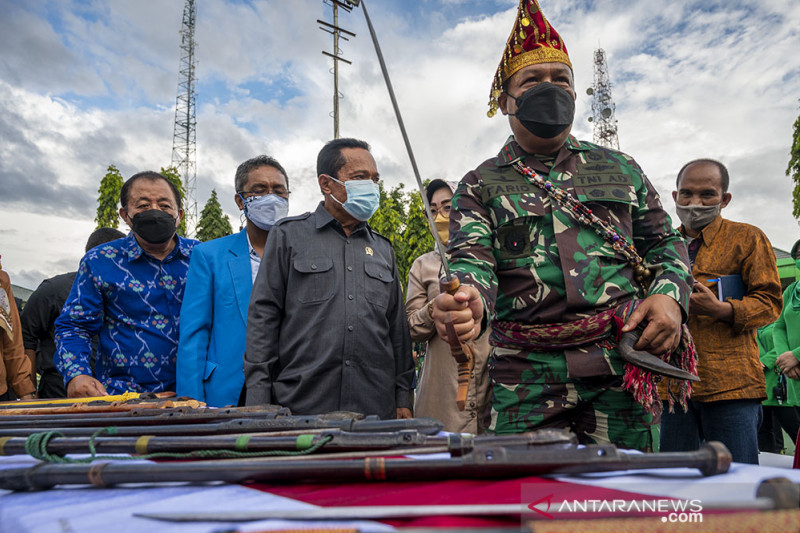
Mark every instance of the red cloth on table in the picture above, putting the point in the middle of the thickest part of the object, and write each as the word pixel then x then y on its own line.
pixel 449 492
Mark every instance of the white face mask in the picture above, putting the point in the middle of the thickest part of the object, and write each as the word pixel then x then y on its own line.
pixel 697 217
pixel 265 211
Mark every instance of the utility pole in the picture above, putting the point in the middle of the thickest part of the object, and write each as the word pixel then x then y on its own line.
pixel 184 138
pixel 605 123
pixel 336 32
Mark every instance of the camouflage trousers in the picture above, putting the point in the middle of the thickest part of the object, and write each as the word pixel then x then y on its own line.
pixel 533 390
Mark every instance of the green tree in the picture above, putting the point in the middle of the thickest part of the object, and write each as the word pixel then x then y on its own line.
pixel 171 173
pixel 401 219
pixel 108 199
pixel 793 169
pixel 416 236
pixel 213 222
pixel 388 219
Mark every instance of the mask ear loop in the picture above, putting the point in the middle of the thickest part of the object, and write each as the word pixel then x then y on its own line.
pixel 331 194
pixel 242 216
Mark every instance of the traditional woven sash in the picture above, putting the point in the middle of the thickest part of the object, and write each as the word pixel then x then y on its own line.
pixel 544 337
pixel 605 327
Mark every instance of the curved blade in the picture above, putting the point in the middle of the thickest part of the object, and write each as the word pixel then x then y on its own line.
pixel 648 361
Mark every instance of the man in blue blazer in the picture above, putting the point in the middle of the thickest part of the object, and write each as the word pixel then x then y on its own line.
pixel 218 286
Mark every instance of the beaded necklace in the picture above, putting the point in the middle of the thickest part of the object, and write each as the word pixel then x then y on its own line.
pixel 584 215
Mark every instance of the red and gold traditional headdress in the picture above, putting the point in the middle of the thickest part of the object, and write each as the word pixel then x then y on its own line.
pixel 532 41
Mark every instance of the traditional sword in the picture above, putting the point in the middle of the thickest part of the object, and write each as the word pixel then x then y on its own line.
pixel 461 351
pixel 648 361
pixel 385 512
pixel 771 494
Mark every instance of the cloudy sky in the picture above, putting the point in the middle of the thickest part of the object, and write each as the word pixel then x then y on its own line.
pixel 88 83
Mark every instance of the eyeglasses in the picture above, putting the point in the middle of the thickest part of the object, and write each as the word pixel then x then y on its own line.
pixel 261 190
pixel 375 179
pixel 445 210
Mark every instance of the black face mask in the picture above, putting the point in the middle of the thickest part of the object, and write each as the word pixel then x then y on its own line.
pixel 545 110
pixel 154 226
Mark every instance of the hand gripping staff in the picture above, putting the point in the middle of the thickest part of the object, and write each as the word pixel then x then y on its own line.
pixel 462 352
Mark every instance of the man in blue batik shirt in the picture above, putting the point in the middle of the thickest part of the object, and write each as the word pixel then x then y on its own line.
pixel 129 293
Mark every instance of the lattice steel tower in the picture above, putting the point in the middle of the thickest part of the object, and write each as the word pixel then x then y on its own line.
pixel 605 123
pixel 184 138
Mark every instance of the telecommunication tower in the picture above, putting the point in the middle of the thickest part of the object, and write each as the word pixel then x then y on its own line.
pixel 184 138
pixel 337 32
pixel 605 123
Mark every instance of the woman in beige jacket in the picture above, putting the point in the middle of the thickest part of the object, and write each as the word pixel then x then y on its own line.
pixel 436 389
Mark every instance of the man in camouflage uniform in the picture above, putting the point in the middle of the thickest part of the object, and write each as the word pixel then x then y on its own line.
pixel 548 279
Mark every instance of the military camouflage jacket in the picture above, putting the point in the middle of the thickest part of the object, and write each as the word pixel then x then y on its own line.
pixel 533 263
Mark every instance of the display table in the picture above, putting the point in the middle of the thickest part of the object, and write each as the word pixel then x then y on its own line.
pixel 89 509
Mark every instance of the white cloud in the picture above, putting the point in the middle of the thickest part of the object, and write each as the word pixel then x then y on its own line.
pixel 98 86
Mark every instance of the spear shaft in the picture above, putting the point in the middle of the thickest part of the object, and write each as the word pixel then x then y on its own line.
pixel 455 444
pixel 138 418
pixel 128 397
pixel 385 71
pixel 494 462
pixel 237 426
pixel 461 351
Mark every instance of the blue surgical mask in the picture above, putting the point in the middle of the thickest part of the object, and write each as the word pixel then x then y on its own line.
pixel 363 198
pixel 265 211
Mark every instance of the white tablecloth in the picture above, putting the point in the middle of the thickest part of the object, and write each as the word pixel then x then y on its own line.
pixel 94 510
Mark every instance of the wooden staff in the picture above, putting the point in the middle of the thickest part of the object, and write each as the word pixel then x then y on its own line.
pixel 142 417
pixel 114 407
pixel 493 462
pixel 455 444
pixel 429 426
pixel 98 400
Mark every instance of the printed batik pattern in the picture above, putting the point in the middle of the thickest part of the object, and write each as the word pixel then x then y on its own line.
pixel 132 302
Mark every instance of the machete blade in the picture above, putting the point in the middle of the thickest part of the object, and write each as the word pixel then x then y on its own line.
pixel 648 361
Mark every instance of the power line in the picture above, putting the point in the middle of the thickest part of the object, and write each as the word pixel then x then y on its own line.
pixel 337 32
